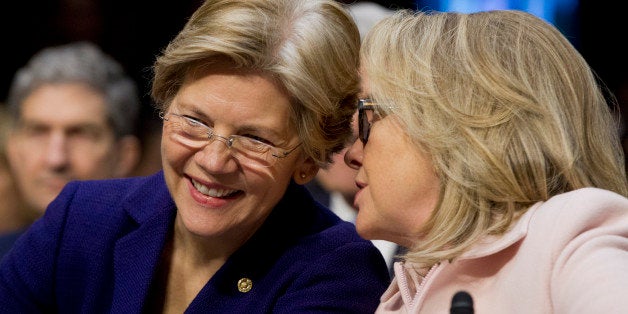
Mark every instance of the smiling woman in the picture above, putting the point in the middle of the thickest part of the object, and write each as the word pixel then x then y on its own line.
pixel 250 112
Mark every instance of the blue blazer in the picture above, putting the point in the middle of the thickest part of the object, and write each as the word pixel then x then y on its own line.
pixel 99 243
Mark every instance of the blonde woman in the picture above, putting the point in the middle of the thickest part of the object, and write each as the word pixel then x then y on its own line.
pixel 488 150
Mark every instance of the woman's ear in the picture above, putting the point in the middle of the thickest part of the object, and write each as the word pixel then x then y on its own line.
pixel 306 172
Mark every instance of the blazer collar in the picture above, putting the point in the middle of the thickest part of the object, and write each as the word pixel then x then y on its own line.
pixel 493 244
pixel 294 218
pixel 136 254
pixel 152 212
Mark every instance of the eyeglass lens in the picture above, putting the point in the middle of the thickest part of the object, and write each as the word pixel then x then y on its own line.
pixel 365 114
pixel 194 135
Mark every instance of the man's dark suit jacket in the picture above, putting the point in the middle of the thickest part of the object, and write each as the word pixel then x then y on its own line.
pixel 98 245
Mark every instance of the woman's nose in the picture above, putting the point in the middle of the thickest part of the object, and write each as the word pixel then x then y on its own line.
pixel 353 156
pixel 216 157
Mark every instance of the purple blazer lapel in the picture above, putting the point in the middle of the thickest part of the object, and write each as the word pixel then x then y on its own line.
pixel 137 253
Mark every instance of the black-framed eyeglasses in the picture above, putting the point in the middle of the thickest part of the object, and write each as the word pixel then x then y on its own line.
pixel 193 133
pixel 366 109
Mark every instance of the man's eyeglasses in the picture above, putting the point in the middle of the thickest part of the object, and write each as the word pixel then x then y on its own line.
pixel 365 118
pixel 195 134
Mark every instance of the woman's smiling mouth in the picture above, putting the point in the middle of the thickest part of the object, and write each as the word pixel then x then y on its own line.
pixel 213 192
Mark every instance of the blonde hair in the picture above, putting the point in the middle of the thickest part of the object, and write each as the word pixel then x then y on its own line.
pixel 310 46
pixel 509 111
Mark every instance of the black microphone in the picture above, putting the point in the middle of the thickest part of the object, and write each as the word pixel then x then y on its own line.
pixel 461 303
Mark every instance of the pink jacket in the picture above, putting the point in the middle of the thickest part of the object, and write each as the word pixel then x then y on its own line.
pixel 566 255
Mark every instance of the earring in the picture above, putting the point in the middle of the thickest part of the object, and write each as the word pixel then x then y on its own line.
pixel 303 176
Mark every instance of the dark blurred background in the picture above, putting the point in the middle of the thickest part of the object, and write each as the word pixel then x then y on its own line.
pixel 135 31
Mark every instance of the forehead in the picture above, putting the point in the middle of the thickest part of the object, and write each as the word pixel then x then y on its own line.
pixel 68 103
pixel 244 96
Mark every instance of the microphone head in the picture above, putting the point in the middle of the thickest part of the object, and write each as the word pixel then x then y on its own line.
pixel 461 303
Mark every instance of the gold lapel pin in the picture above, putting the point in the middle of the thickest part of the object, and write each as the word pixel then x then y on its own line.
pixel 245 285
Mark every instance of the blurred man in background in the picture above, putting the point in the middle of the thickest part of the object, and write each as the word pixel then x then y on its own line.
pixel 74 112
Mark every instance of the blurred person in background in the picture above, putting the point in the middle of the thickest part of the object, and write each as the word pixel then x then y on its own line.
pixel 74 112
pixel 12 217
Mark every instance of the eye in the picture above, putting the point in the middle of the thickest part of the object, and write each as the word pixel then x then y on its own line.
pixel 194 121
pixel 252 144
pixel 378 114
pixel 254 138
pixel 89 132
pixel 191 127
pixel 34 130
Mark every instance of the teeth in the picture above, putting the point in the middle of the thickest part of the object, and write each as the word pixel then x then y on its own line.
pixel 212 192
